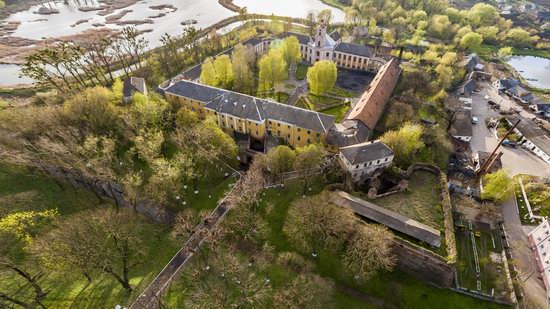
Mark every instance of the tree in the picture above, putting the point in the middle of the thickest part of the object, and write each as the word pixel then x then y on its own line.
pixel 230 282
pixel 208 72
pixel 504 53
pixel 24 283
pixel 397 114
pixel 304 291
pixel 471 40
pixel 372 26
pixel 273 70
pixel 520 38
pixel 497 186
pixel 290 48
pixel 449 59
pixel 280 160
pixel 315 225
pixel 404 142
pixel 243 78
pixel 369 251
pixel 148 111
pixel 117 88
pixel 388 36
pixel 102 240
pixel 93 109
pixel 148 144
pixel 24 225
pixel 321 77
pixel 224 71
pixel 489 33
pixel 325 16
pixel 308 159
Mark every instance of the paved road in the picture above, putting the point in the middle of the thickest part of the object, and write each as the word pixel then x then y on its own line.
pixel 515 160
pixel 533 287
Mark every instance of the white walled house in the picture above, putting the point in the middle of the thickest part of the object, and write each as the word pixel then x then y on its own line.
pixel 532 137
pixel 365 159
pixel 462 126
pixel 539 240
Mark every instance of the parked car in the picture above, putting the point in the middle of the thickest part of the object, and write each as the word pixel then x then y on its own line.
pixel 474 120
pixel 508 143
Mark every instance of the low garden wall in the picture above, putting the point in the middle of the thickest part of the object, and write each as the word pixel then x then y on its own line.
pixel 423 264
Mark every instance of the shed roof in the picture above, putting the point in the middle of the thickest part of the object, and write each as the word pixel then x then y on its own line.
pixel 463 124
pixel 389 218
pixel 133 84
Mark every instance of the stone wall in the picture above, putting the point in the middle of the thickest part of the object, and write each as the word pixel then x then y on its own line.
pixel 423 264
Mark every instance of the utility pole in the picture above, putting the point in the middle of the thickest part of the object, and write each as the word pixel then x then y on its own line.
pixel 493 155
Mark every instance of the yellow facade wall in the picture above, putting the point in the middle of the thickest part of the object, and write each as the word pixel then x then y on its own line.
pixel 295 136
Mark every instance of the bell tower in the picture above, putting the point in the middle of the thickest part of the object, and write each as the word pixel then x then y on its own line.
pixel 320 34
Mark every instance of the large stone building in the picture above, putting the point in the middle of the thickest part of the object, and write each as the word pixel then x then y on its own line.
pixel 260 121
pixel 258 118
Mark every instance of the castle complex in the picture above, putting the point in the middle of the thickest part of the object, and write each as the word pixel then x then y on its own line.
pixel 261 120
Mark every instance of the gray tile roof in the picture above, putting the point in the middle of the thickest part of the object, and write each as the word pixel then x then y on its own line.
pixel 349 132
pixel 335 35
pixel 133 84
pixel 366 152
pixel 463 124
pixel 355 49
pixel 468 87
pixel 531 131
pixel 302 38
pixel 251 108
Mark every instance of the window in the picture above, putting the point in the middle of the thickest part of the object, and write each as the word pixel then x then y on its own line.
pixel 327 54
pixel 288 127
pixel 308 141
pixel 386 160
pixel 298 137
pixel 308 132
pixel 370 163
pixel 318 54
pixel 278 124
pixel 288 135
pixel 257 133
pixel 357 166
pixel 299 129
pixel 256 124
pixel 231 126
pixel 215 113
pixel 378 162
pixel 270 122
pixel 318 45
pixel 318 135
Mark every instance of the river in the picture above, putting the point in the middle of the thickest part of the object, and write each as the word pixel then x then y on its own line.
pixel 205 12
pixel 535 70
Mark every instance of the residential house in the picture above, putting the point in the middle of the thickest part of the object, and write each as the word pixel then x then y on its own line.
pixel 539 240
pixel 365 159
pixel 532 137
pixel 505 84
pixel 467 88
pixel 461 129
pixel 521 94
pixel 132 85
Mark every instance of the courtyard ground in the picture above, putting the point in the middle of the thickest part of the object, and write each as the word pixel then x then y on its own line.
pixel 420 202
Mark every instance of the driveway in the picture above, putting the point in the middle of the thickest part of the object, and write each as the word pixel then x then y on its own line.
pixel 514 160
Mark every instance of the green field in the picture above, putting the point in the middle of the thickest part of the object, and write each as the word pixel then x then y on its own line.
pixel 338 112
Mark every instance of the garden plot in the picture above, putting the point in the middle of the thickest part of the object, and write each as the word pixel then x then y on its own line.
pixel 480 266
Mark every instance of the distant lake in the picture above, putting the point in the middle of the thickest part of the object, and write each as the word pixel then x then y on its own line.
pixel 535 70
pixel 205 12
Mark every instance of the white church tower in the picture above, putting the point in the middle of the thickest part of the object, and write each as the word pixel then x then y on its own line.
pixel 321 47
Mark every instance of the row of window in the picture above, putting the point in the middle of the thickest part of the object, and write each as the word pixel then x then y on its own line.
pixel 370 163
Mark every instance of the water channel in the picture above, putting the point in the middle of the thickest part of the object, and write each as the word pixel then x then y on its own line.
pixel 205 12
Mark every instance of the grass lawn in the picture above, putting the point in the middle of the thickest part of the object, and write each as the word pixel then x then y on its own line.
pixel 338 112
pixel 315 99
pixel 390 289
pixel 539 199
pixel 209 193
pixel 22 190
pixel 303 104
pixel 301 71
pixel 342 92
pixel 421 202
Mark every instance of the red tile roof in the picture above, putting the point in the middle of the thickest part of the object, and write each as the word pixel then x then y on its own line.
pixel 373 101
